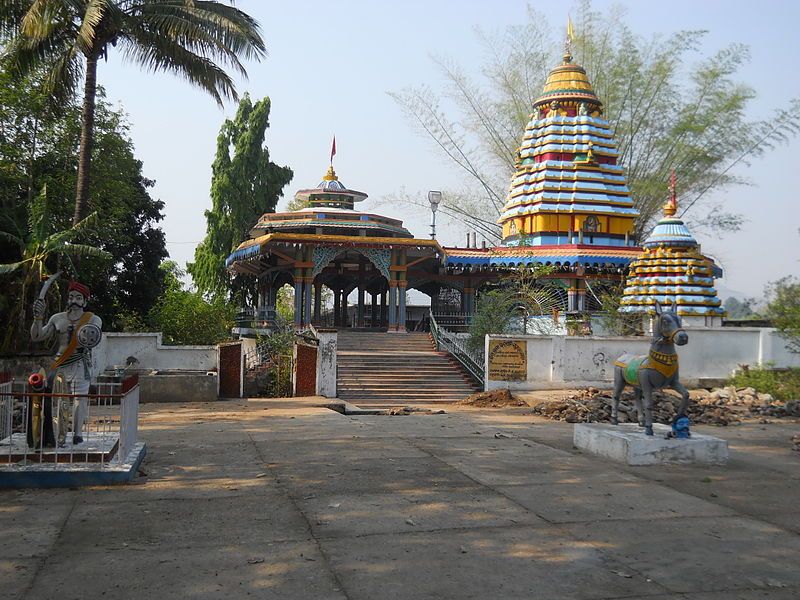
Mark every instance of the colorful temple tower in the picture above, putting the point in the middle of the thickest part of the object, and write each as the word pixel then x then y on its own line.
pixel 568 204
pixel 672 269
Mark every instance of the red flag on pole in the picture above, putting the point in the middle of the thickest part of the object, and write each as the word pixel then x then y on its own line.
pixel 333 149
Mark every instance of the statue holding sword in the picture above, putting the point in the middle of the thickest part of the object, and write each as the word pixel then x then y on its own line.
pixel 78 332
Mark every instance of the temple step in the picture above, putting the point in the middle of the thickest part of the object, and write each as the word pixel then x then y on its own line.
pixel 380 369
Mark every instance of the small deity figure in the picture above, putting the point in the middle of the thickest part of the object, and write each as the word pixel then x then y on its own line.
pixel 78 332
pixel 582 109
pixel 536 114
pixel 553 109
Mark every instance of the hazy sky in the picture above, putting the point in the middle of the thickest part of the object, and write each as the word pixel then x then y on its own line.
pixel 329 69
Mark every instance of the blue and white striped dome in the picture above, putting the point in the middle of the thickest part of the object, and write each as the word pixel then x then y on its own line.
pixel 670 232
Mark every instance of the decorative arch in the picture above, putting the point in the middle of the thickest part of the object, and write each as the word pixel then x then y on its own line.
pixel 380 258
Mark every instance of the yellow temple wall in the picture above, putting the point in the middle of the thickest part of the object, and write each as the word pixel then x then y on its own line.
pixel 574 222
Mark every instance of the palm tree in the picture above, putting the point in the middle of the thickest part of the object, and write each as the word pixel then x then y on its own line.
pixel 39 249
pixel 68 37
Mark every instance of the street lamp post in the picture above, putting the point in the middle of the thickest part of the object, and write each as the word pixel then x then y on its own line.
pixel 435 198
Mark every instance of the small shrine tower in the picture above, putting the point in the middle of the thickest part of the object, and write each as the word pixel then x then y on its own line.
pixel 672 269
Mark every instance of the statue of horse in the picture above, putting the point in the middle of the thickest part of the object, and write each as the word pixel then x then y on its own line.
pixel 659 369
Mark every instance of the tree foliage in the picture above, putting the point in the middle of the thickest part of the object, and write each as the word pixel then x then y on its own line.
pixel 521 294
pixel 66 40
pixel 244 185
pixel 39 249
pixel 783 308
pixel 669 112
pixel 186 317
pixel 740 309
pixel 38 167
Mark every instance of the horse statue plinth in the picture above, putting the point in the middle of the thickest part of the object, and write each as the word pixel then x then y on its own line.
pixel 657 370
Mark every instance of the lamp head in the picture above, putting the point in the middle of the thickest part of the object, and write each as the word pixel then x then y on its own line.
pixel 435 198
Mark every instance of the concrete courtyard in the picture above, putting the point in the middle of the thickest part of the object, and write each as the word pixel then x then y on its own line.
pixel 280 499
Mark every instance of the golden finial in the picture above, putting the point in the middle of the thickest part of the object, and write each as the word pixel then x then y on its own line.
pixel 330 175
pixel 568 44
pixel 671 207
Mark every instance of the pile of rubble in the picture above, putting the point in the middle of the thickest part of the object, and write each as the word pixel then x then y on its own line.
pixel 407 410
pixel 722 406
pixel 763 405
pixel 493 399
pixel 796 442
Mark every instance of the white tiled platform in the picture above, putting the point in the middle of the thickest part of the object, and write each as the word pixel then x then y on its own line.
pixel 627 443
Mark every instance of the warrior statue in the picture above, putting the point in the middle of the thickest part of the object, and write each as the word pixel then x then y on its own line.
pixel 78 332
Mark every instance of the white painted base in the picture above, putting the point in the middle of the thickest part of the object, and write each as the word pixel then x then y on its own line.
pixel 628 444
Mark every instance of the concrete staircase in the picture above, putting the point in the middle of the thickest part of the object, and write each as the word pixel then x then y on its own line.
pixel 380 369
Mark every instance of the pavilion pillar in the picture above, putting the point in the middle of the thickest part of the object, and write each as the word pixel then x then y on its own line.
pixel 401 311
pixel 373 320
pixel 263 294
pixel 317 301
pixel 402 282
pixel 360 307
pixel 344 309
pixel 382 322
pixel 392 304
pixel 307 302
pixel 298 301
pixel 360 296
pixel 469 303
pixel 337 315
pixel 572 298
pixel 580 297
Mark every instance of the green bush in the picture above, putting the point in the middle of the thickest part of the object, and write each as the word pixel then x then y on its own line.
pixel 783 309
pixel 187 318
pixel 783 384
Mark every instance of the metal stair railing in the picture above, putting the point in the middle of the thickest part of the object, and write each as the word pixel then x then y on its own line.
pixel 457 347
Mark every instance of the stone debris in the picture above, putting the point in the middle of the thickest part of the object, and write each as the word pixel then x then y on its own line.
pixel 493 399
pixel 796 442
pixel 407 410
pixel 721 406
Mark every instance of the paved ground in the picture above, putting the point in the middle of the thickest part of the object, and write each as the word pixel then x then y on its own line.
pixel 280 500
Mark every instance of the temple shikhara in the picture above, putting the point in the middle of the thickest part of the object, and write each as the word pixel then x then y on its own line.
pixel 568 207
pixel 671 269
pixel 568 204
